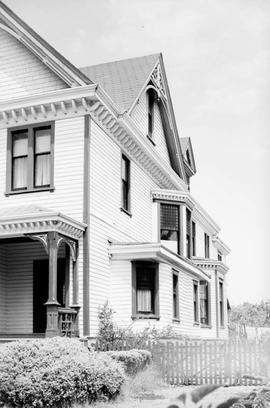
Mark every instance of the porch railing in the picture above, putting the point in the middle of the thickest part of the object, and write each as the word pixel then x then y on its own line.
pixel 67 322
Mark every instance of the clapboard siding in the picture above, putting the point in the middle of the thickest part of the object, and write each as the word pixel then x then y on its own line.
pixel 140 117
pixel 68 172
pixel 3 317
pixel 105 189
pixel 200 252
pixel 21 73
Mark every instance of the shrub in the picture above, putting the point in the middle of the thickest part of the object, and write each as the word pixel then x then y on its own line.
pixel 55 373
pixel 133 360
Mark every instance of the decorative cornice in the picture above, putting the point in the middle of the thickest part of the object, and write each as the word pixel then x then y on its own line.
pixel 20 225
pixel 91 100
pixel 220 245
pixel 198 213
pixel 154 251
pixel 210 264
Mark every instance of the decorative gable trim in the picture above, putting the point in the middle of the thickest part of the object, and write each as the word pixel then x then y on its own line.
pixel 157 78
pixel 11 23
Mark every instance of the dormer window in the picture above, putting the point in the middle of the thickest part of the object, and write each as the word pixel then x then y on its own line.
pixel 151 101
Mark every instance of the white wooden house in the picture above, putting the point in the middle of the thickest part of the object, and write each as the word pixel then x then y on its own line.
pixel 95 201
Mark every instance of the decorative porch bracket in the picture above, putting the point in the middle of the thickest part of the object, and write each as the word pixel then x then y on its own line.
pixel 51 242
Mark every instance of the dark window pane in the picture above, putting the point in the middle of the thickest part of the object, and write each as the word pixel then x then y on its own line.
pixel 167 235
pixel 145 284
pixel 169 217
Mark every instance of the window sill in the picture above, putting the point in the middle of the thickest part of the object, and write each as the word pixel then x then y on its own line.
pixel 176 320
pixel 151 140
pixel 206 326
pixel 33 190
pixel 143 317
pixel 126 212
pixel 196 324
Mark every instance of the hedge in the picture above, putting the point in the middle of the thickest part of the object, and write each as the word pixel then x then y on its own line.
pixel 132 360
pixel 55 373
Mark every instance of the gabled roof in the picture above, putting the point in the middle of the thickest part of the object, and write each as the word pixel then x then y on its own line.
pixel 188 155
pixel 13 24
pixel 122 80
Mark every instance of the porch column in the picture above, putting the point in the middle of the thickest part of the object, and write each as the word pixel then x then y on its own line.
pixel 52 303
pixel 75 298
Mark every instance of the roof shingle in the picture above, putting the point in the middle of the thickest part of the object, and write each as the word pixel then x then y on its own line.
pixel 124 79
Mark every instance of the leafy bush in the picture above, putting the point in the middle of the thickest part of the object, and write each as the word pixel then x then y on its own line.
pixel 133 360
pixel 110 334
pixel 55 373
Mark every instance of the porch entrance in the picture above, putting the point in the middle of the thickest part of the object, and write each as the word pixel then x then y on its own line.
pixel 40 291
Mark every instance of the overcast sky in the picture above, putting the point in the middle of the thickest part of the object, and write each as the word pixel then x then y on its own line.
pixel 217 59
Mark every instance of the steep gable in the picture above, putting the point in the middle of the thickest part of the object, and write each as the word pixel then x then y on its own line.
pixel 25 57
pixel 122 80
pixel 188 156
pixel 127 83
pixel 21 72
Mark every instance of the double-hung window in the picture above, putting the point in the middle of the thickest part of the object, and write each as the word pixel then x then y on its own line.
pixel 193 238
pixel 205 303
pixel 175 289
pixel 170 226
pixel 125 183
pixel 188 233
pixel 206 246
pixel 221 303
pixel 30 159
pixel 219 256
pixel 145 301
pixel 195 302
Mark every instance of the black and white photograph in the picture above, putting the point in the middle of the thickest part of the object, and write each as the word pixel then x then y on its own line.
pixel 134 203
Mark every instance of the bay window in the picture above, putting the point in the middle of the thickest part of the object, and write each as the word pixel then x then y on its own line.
pixel 170 226
pixel 204 303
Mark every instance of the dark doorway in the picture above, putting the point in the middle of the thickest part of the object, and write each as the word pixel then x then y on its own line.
pixel 40 291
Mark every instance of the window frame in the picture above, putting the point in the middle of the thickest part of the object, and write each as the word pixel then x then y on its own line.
pixel 193 237
pixel 151 96
pixel 135 313
pixel 221 311
pixel 196 308
pixel 209 317
pixel 206 245
pixel 175 297
pixel 179 242
pixel 220 256
pixel 188 233
pixel 30 130
pixel 127 183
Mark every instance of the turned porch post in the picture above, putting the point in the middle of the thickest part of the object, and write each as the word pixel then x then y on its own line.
pixel 52 303
pixel 75 299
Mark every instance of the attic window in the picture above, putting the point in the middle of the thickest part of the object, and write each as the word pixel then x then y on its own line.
pixel 188 158
pixel 151 101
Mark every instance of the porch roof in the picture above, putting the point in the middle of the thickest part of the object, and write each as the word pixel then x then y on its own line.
pixel 139 251
pixel 32 219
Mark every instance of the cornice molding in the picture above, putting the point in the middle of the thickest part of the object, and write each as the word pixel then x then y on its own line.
pixel 21 225
pixel 220 245
pixel 91 99
pixel 198 213
pixel 210 264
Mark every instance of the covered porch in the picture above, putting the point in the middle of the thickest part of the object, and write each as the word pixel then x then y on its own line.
pixel 39 282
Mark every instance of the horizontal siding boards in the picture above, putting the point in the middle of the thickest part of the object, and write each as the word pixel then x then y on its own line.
pixel 3 314
pixel 21 73
pixel 140 117
pixel 105 189
pixel 19 284
pixel 68 172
